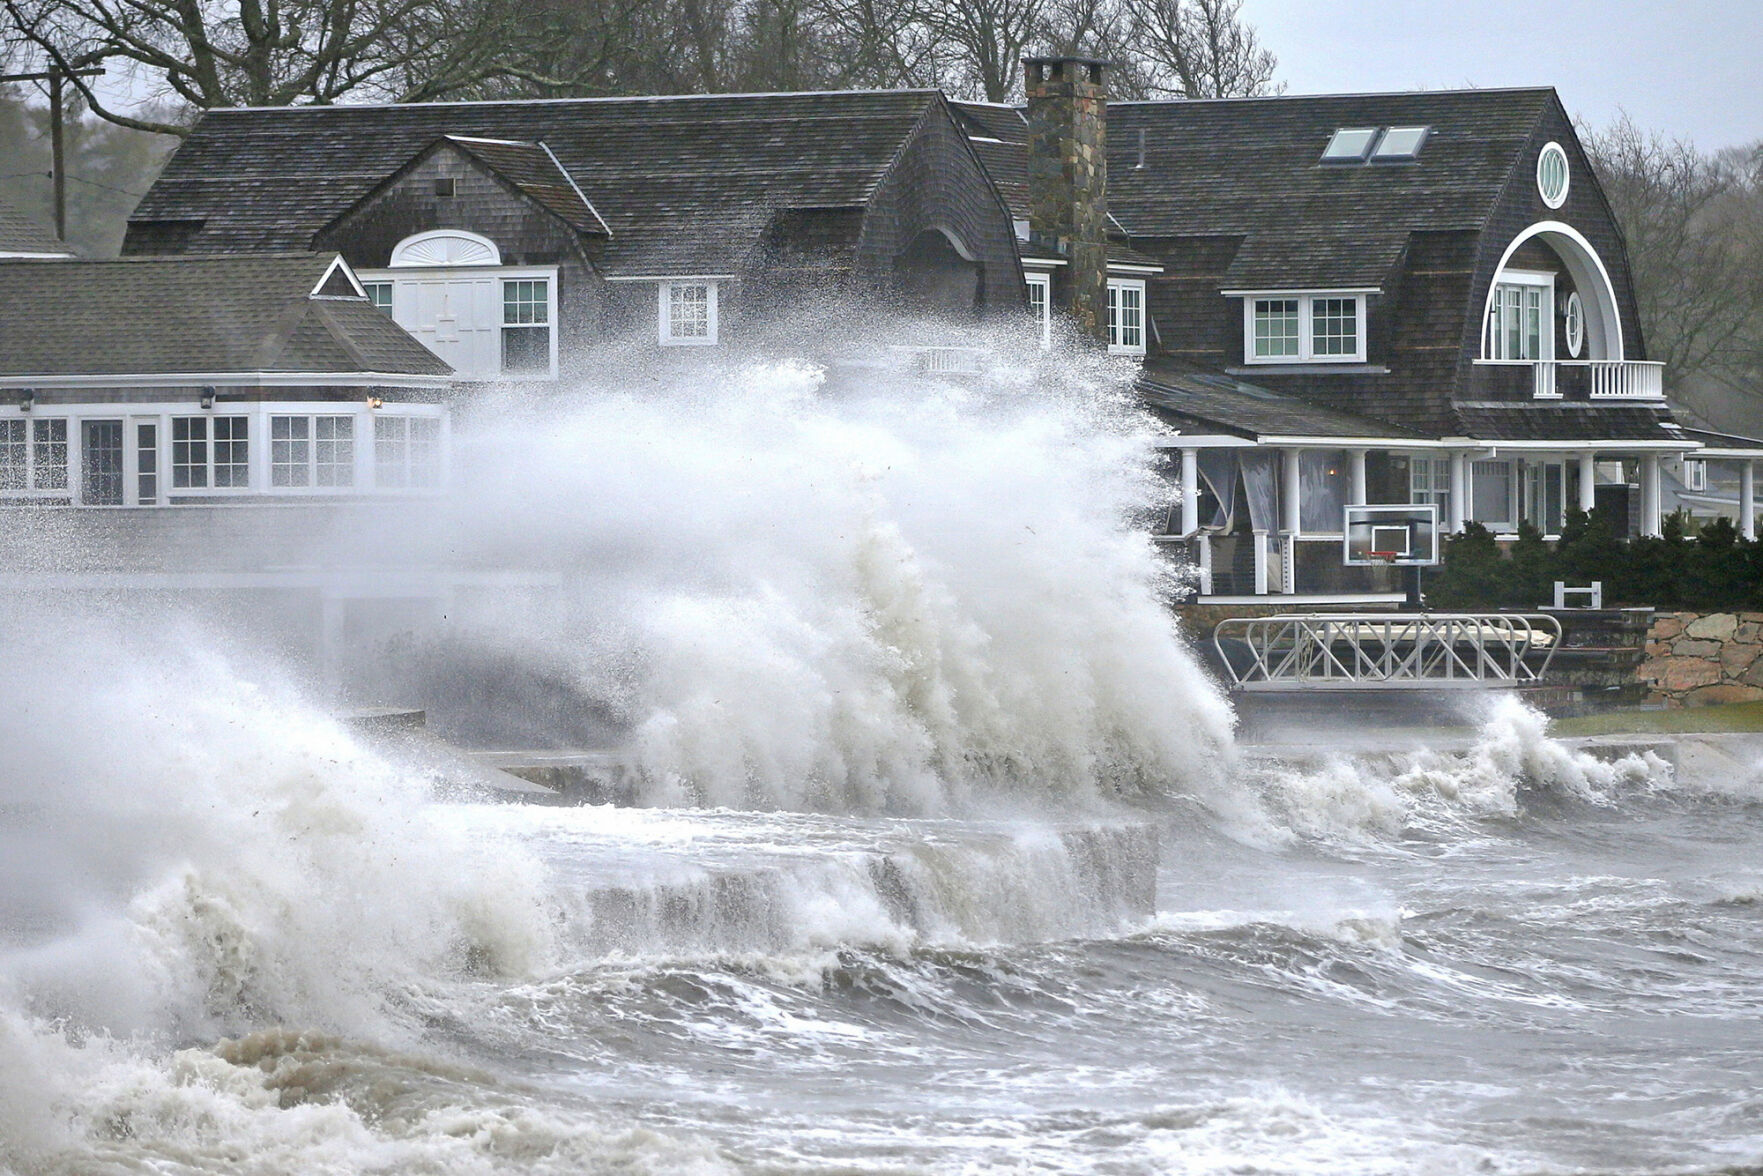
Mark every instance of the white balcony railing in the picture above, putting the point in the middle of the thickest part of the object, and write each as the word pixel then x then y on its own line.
pixel 1629 379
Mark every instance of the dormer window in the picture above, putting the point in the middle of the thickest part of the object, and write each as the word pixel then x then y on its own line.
pixel 1325 327
pixel 1126 316
pixel 1349 145
pixel 688 314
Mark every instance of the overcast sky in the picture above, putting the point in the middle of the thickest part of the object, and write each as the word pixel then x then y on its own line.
pixel 1690 69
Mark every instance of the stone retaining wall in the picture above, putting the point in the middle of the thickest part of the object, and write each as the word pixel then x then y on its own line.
pixel 1697 659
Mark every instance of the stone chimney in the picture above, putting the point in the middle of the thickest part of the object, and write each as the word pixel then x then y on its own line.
pixel 1068 179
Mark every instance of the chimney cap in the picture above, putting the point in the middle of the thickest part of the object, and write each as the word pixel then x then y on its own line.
pixel 1073 58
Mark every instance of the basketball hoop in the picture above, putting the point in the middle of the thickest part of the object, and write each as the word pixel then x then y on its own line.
pixel 1388 557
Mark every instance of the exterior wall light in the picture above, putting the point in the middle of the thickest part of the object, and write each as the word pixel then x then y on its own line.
pixel 26 400
pixel 207 397
pixel 375 402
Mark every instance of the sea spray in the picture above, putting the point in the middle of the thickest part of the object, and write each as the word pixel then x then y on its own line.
pixel 873 598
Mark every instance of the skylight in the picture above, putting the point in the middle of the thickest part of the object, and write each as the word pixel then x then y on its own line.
pixel 1349 145
pixel 1400 143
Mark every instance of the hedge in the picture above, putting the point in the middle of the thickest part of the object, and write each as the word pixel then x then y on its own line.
pixel 1706 567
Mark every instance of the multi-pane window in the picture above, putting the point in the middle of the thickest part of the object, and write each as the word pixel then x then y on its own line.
pixel 1334 326
pixel 1276 328
pixel 1295 328
pixel 1126 316
pixel 1519 318
pixel 406 452
pixel 526 326
pixel 33 454
pixel 1429 480
pixel 312 451
pixel 202 456
pixel 688 313
pixel 380 294
pixel 1040 306
pixel 147 463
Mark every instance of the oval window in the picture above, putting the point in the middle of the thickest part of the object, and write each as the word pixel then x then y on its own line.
pixel 1575 325
pixel 1552 175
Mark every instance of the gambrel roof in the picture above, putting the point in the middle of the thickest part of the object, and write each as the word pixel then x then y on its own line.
pixel 1252 168
pixel 287 313
pixel 683 184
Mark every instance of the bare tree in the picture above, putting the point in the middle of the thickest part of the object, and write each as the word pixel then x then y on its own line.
pixel 209 53
pixel 1198 49
pixel 1694 226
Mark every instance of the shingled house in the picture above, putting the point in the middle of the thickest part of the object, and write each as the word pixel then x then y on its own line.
pixel 156 381
pixel 1383 298
pixel 20 237
pixel 510 237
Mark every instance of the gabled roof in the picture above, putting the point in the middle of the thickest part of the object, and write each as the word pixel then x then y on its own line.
pixel 1251 167
pixel 288 313
pixel 667 175
pixel 22 237
pixel 1184 394
pixel 532 168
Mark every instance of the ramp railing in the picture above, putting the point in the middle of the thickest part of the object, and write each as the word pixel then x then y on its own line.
pixel 1383 651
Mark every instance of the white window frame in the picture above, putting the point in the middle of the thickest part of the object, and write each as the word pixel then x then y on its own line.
pixel 1043 311
pixel 1306 301
pixel 401 277
pixel 372 290
pixel 378 459
pixel 1573 325
pixel 1553 151
pixel 309 463
pixel 1429 480
pixel 252 441
pixel 664 292
pixel 1513 489
pixel 1695 474
pixel 1118 327
pixel 1492 338
pixel 32 464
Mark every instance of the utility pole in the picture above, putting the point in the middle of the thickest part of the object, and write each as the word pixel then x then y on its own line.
pixel 56 78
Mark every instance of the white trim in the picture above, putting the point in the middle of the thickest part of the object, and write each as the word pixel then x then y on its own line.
pixel 1573 324
pixel 1128 268
pixel 1607 305
pixel 1306 329
pixel 10 256
pixel 1044 319
pixel 1043 262
pixel 362 380
pixel 337 263
pixel 1136 285
pixel 664 320
pixel 1550 150
pixel 677 278
pixel 402 277
pixel 578 188
pixel 1297 292
pixel 402 251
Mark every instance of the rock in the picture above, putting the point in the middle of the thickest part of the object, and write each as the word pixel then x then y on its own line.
pixel 1749 632
pixel 1724 693
pixel 1754 675
pixel 1714 627
pixel 1756 618
pixel 1689 648
pixel 1653 669
pixel 1688 673
pixel 1736 657
pixel 1658 649
pixel 1665 627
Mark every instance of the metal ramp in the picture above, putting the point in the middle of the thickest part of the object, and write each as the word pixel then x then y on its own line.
pixel 1386 651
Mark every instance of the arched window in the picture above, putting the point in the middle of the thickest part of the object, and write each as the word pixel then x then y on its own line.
pixel 445 247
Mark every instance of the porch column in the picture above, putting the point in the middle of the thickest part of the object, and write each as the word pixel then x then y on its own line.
pixel 1652 508
pixel 1459 490
pixel 1588 481
pixel 1288 498
pixel 1355 477
pixel 1190 491
pixel 1748 499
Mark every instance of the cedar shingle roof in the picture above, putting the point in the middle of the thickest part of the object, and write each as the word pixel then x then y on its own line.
pixel 1188 394
pixel 215 315
pixel 1567 421
pixel 532 169
pixel 20 234
pixel 685 184
pixel 1252 167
